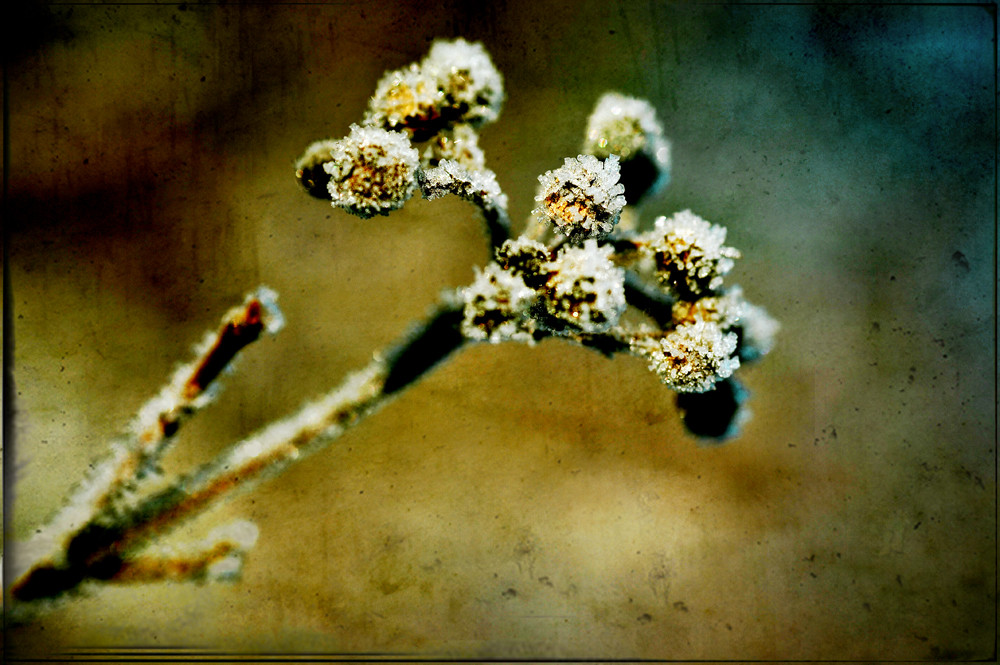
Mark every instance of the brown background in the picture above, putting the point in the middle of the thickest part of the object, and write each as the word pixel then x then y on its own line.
pixel 525 502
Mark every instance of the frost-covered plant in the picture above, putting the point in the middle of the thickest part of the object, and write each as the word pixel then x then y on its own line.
pixel 572 275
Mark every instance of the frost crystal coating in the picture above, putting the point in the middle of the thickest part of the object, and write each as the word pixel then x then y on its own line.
pixel 689 254
pixel 585 288
pixel 726 309
pixel 691 357
pixel 758 329
pixel 496 304
pixel 583 197
pixel 372 171
pixel 406 99
pixel 626 126
pixel 467 78
pixel 450 177
pixel 461 143
pixel 455 83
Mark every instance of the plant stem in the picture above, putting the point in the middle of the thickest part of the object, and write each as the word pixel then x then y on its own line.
pixel 102 548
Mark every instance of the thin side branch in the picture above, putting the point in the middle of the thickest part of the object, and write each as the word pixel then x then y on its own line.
pixel 135 454
pixel 108 545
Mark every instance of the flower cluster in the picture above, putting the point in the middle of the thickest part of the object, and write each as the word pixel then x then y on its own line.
pixel 531 292
pixel 573 275
pixel 421 127
pixel 578 267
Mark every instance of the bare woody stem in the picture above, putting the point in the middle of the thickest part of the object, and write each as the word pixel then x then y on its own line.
pixel 104 548
pixel 139 450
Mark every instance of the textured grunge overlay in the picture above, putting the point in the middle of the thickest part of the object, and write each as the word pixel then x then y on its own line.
pixel 530 502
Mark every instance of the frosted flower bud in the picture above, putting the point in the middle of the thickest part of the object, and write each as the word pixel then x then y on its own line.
pixel 688 253
pixel 309 169
pixel 460 143
pixel 691 357
pixel 585 288
pixel 470 84
pixel 582 198
pixel 525 258
pixel 496 307
pixel 754 327
pixel 372 171
pixel 628 127
pixel 450 177
pixel 456 83
pixel 407 99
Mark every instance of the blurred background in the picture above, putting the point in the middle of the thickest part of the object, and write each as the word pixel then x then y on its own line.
pixel 523 502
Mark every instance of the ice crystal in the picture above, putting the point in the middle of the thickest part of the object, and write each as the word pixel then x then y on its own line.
pixel 496 304
pixel 691 357
pixel 582 198
pixel 725 309
pixel 585 288
pixel 688 253
pixel 372 171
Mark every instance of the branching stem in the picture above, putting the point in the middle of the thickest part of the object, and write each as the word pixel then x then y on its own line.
pixel 107 546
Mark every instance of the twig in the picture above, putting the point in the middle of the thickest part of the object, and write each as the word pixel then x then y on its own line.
pixel 108 544
pixel 58 546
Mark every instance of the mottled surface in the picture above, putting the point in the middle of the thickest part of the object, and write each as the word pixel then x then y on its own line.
pixel 526 502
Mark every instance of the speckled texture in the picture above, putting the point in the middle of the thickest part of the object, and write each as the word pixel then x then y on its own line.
pixel 542 501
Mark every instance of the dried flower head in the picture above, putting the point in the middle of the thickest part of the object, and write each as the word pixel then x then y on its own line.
pixel 456 83
pixel 466 77
pixel 627 127
pixel 450 177
pixel 460 143
pixel 372 171
pixel 407 99
pixel 585 289
pixel 691 357
pixel 688 254
pixel 496 307
pixel 754 327
pixel 582 198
